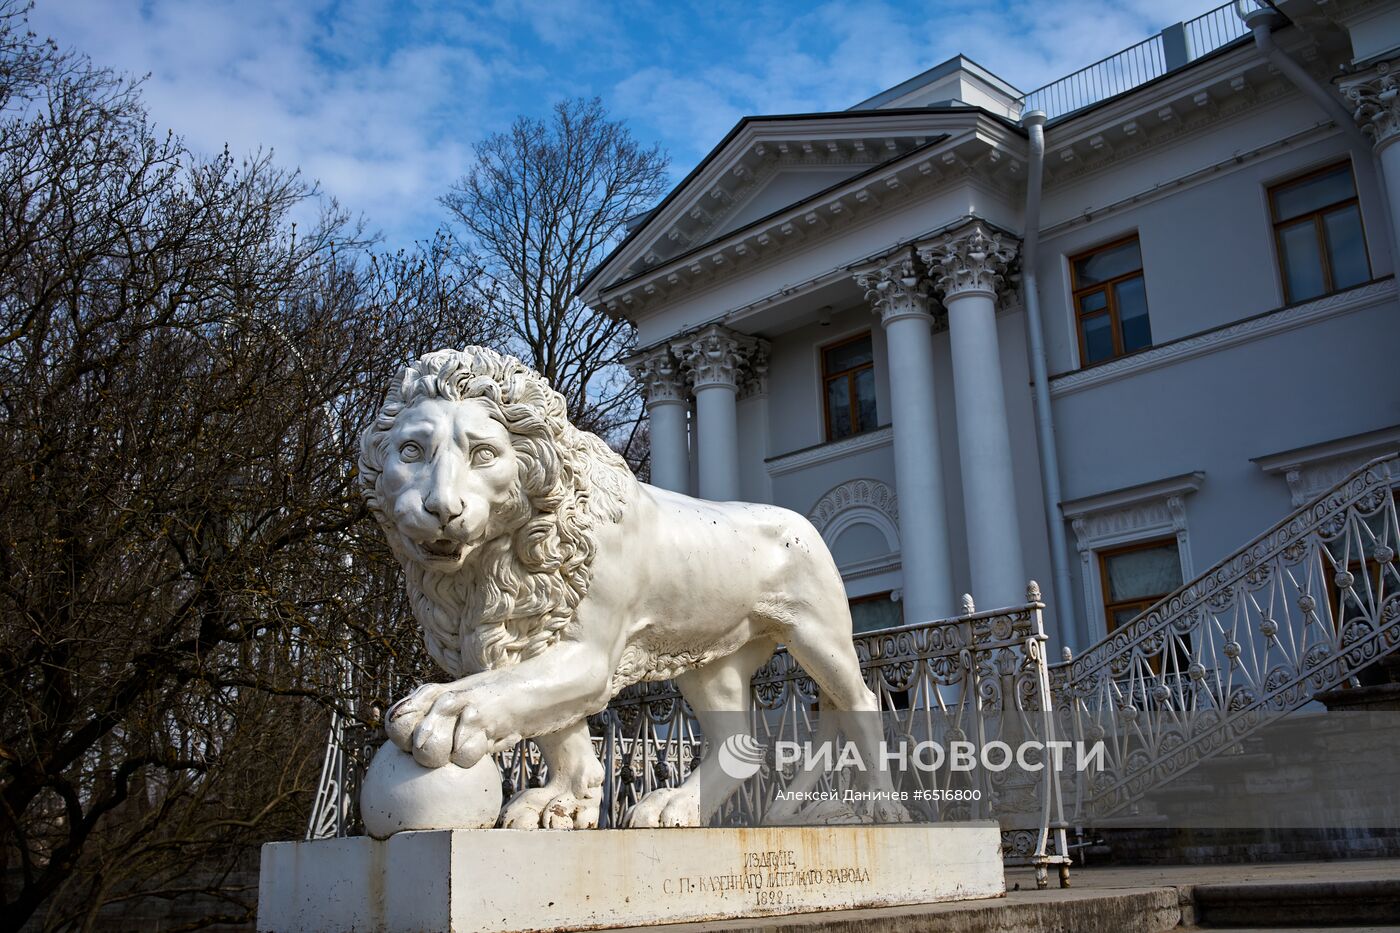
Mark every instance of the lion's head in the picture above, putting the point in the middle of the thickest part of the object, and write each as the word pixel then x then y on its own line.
pixel 489 498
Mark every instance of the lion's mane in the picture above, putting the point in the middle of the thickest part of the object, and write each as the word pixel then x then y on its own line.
pixel 518 593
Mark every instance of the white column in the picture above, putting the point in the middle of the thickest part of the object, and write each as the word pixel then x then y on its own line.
pixel 967 267
pixel 1375 98
pixel 719 360
pixel 668 408
pixel 896 290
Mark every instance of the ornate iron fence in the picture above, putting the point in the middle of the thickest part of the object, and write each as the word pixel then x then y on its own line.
pixel 980 677
pixel 1305 607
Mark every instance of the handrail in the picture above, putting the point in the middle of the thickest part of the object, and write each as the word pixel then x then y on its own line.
pixel 1302 608
pixel 1174 47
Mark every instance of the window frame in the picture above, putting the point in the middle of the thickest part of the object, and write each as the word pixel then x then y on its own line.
pixel 850 376
pixel 1110 308
pixel 1104 554
pixel 1330 286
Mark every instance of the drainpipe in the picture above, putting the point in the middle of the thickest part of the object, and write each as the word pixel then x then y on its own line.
pixel 1065 616
pixel 1261 22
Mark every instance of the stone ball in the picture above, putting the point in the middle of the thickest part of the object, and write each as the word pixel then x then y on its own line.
pixel 399 794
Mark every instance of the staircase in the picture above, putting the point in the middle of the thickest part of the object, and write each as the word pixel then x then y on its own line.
pixel 1309 607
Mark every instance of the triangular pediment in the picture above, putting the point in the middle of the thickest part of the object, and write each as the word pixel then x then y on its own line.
pixel 779 189
pixel 775 182
pixel 765 165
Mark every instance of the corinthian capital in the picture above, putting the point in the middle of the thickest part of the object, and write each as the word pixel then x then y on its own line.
pixel 895 286
pixel 660 373
pixel 718 356
pixel 972 258
pixel 1375 101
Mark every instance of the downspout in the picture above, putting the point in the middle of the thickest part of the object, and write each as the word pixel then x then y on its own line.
pixel 1065 616
pixel 1261 21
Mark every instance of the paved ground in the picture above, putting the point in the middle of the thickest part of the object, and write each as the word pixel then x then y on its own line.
pixel 1102 899
pixel 1106 877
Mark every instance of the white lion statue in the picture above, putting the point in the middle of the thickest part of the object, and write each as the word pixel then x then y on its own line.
pixel 547 579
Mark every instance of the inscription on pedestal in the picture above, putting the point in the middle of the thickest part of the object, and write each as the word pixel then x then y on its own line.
pixel 770 878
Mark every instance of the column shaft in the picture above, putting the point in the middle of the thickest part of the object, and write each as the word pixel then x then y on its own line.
pixel 925 554
pixel 967 266
pixel 670 449
pixel 984 451
pixel 664 385
pixel 717 407
pixel 1389 158
pixel 719 360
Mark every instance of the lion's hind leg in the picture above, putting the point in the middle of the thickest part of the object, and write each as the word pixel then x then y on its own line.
pixel 571 798
pixel 849 706
pixel 719 695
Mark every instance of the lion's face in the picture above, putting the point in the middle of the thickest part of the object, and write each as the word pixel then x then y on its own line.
pixel 451 481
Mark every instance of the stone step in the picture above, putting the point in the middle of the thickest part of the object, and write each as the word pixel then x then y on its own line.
pixel 1296 905
pixel 1156 910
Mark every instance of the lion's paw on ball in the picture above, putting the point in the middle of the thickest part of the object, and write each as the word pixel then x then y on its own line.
pixel 400 795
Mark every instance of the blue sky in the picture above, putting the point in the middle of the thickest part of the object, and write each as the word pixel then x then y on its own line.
pixel 381 100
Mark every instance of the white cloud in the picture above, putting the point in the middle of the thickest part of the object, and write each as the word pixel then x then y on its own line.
pixel 382 101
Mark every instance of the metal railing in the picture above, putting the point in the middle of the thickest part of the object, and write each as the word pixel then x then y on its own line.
pixel 1172 48
pixel 980 678
pixel 1303 608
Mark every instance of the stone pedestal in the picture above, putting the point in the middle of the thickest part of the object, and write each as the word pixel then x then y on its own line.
pixel 516 882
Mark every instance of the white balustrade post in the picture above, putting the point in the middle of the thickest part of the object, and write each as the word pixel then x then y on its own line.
pixel 967 266
pixel 668 408
pixel 1375 98
pixel 719 360
pixel 896 290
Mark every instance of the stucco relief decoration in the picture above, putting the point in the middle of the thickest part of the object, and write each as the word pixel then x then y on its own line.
pixel 895 287
pixel 868 493
pixel 1375 100
pixel 973 258
pixel 661 375
pixel 717 356
pixel 545 579
pixel 754 378
pixel 1167 513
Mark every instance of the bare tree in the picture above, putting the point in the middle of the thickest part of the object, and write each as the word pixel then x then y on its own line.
pixel 186 565
pixel 542 205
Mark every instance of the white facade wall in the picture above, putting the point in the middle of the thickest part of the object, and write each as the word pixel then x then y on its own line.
pixel 1231 378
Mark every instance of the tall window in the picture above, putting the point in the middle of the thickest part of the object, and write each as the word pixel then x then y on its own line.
pixel 1110 300
pixel 848 385
pixel 1136 576
pixel 1317 229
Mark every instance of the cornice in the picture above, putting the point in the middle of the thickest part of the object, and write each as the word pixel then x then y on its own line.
pixel 981 150
pixel 1271 322
pixel 1372 442
pixel 1134 495
pixel 826 453
pixel 1175 108
pixel 1309 471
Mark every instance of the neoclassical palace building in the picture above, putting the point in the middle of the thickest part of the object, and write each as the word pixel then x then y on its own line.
pixel 1098 334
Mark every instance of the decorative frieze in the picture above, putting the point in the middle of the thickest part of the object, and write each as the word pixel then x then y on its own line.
pixel 975 257
pixel 718 356
pixel 1375 101
pixel 660 373
pixel 895 286
pixel 856 501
